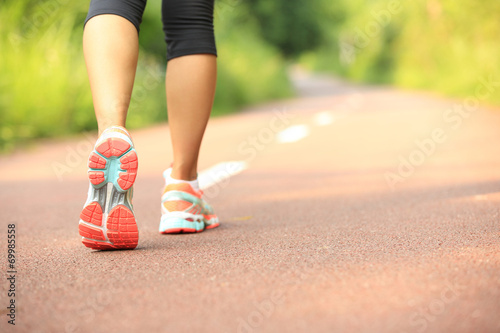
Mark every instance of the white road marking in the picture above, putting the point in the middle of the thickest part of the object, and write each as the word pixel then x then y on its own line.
pixel 220 172
pixel 293 134
pixel 224 170
pixel 323 118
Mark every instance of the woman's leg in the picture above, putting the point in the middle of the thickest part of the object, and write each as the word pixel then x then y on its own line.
pixel 110 45
pixel 111 48
pixel 190 86
pixel 190 79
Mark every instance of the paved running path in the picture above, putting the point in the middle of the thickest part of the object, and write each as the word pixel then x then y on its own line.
pixel 378 211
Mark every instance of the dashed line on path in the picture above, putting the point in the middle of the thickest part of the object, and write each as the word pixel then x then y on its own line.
pixel 293 134
pixel 323 118
pixel 224 170
pixel 220 172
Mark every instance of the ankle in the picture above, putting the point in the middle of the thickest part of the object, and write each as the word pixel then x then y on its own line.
pixel 188 174
pixel 169 180
pixel 104 125
pixel 114 128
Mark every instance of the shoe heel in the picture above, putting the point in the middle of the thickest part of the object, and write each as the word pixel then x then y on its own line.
pixel 113 161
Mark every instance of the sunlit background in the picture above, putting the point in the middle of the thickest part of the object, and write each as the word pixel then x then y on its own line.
pixel 444 46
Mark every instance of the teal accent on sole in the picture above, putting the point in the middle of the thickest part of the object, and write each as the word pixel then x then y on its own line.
pixel 176 224
pixel 112 170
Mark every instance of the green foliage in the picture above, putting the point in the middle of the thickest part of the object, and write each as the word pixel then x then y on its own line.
pixel 44 90
pixel 440 45
pixel 249 70
pixel 461 45
pixel 151 37
pixel 294 26
pixel 43 85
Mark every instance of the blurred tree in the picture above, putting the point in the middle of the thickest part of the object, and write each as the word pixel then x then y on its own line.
pixel 293 26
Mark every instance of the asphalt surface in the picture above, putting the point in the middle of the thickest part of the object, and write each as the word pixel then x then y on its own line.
pixel 380 215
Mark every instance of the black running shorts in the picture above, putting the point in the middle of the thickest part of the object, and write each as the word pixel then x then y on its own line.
pixel 187 24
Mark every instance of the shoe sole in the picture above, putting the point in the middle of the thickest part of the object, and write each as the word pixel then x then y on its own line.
pixel 175 225
pixel 107 222
pixel 180 226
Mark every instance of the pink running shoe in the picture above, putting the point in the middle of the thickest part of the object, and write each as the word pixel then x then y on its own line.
pixel 107 221
pixel 184 211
